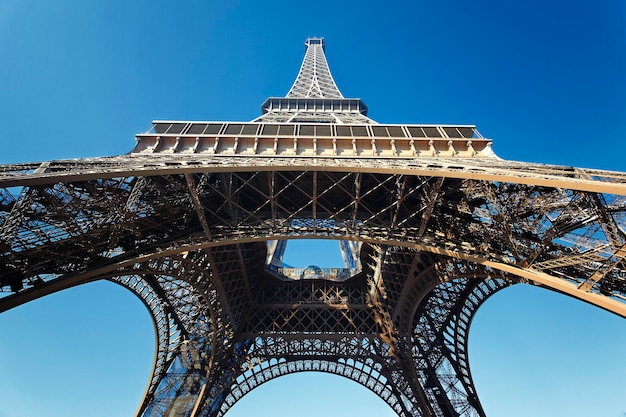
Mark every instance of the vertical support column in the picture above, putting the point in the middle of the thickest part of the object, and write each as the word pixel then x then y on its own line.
pixel 439 343
pixel 398 348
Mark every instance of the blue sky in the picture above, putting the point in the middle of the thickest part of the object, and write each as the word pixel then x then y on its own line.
pixel 545 81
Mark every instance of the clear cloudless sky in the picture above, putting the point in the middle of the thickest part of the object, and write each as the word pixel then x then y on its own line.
pixel 545 79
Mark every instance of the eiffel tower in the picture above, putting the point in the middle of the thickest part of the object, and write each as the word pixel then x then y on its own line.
pixel 196 218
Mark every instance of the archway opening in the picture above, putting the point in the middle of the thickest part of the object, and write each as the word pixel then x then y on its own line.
pixel 295 259
pixel 311 394
pixel 536 352
pixel 87 350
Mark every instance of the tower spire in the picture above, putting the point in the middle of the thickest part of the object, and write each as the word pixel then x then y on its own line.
pixel 314 78
pixel 314 96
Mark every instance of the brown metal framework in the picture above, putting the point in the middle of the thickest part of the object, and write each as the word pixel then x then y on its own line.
pixel 183 222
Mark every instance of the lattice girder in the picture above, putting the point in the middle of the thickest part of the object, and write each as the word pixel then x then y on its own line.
pixel 258 356
pixel 314 96
pixel 314 79
pixel 542 226
pixel 363 359
pixel 439 342
pixel 189 318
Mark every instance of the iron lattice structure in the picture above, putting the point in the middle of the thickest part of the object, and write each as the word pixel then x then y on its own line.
pixel 194 221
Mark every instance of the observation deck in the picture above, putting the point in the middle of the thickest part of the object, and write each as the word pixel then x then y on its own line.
pixel 314 140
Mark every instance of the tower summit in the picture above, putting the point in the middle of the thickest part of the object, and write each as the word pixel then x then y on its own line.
pixel 314 96
pixel 314 78
pixel 184 220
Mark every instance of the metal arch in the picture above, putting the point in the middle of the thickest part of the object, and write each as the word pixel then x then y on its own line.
pixel 174 296
pixel 171 327
pixel 364 360
pixel 459 335
pixel 550 282
pixel 333 367
pixel 182 359
pixel 166 326
pixel 556 223
pixel 439 343
pixel 455 327
pixel 186 382
pixel 498 171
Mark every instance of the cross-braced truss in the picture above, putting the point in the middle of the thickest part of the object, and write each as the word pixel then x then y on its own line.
pixel 184 221
pixel 314 78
